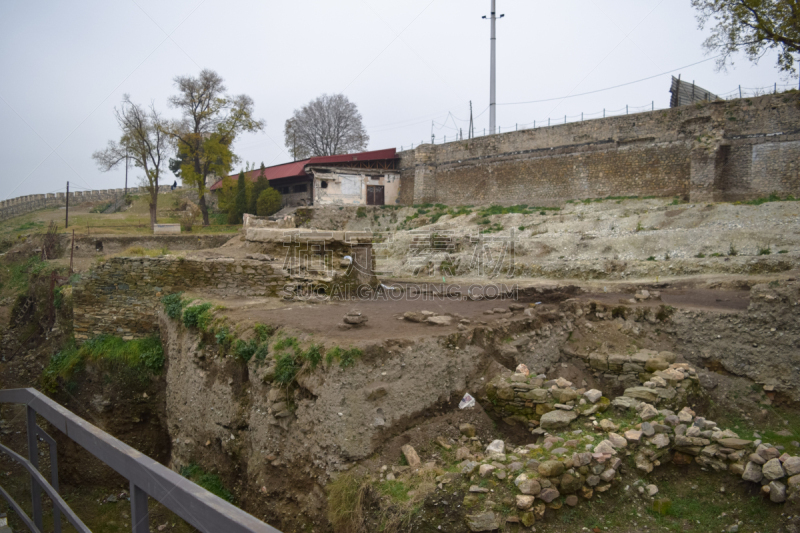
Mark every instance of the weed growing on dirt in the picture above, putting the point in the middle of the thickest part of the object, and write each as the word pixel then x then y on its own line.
pixel 286 368
pixel 313 355
pixel 732 251
pixel 700 255
pixel 346 358
pixel 211 482
pixel 286 342
pixel 651 258
pixel 764 250
pixel 783 252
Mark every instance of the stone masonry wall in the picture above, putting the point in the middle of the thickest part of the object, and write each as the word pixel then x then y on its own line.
pixel 726 150
pixel 121 296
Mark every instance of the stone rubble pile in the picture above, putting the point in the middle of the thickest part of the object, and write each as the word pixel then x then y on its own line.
pixel 569 464
pixel 552 404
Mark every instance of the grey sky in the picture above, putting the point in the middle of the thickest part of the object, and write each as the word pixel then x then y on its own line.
pixel 64 66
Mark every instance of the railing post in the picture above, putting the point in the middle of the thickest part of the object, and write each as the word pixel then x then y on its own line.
pixel 140 519
pixel 33 457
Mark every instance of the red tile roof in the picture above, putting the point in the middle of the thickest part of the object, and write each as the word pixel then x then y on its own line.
pixel 296 169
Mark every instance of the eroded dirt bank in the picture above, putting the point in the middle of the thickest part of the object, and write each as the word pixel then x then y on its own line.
pixel 277 445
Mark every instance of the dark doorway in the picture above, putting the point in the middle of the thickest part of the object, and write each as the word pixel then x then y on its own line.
pixel 374 194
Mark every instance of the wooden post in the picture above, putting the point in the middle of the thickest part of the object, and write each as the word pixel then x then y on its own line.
pixel 66 220
pixel 72 251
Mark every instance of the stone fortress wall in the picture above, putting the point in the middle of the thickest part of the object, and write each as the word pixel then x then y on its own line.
pixel 719 151
pixel 25 204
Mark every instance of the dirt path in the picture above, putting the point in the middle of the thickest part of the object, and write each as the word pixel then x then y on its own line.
pixel 385 314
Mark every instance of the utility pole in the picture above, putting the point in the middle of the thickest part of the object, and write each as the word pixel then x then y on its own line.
pixel 66 221
pixel 471 132
pixel 493 72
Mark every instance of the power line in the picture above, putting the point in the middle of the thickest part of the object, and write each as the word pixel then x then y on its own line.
pixel 614 87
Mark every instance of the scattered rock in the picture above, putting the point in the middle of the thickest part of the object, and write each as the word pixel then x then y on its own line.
pixel 773 470
pixel 551 469
pixel 557 419
pixel 483 521
pixel 468 430
pixel 524 502
pixel 411 456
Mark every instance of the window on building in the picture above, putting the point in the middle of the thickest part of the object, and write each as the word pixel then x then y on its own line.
pixel 324 185
pixel 299 188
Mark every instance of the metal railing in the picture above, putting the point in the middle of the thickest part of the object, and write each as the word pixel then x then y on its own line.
pixel 203 510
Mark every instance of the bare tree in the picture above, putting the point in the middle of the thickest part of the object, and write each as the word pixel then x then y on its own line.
pixel 143 141
pixel 754 26
pixel 329 125
pixel 204 135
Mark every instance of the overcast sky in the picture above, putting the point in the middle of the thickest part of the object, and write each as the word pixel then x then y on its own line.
pixel 65 65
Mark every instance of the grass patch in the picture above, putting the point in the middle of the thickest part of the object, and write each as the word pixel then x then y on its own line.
pixel 764 250
pixel 144 356
pixel 774 197
pixel 522 209
pixel 211 482
pixel 138 251
pixel 346 503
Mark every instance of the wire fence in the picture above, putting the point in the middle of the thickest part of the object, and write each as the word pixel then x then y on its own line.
pixel 461 133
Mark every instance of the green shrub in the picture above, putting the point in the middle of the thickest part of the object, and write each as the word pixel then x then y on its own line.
pixel 764 250
pixel 173 304
pixel 700 255
pixel 223 337
pixel 197 316
pixel 651 258
pixel 264 332
pixel 269 202
pixel 783 252
pixel 245 349
pixel 732 250
pixel 262 352
pixel 361 212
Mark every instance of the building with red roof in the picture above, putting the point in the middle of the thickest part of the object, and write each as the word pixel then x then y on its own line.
pixel 365 178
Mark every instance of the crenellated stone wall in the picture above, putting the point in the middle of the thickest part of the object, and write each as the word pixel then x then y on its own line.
pixel 25 204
